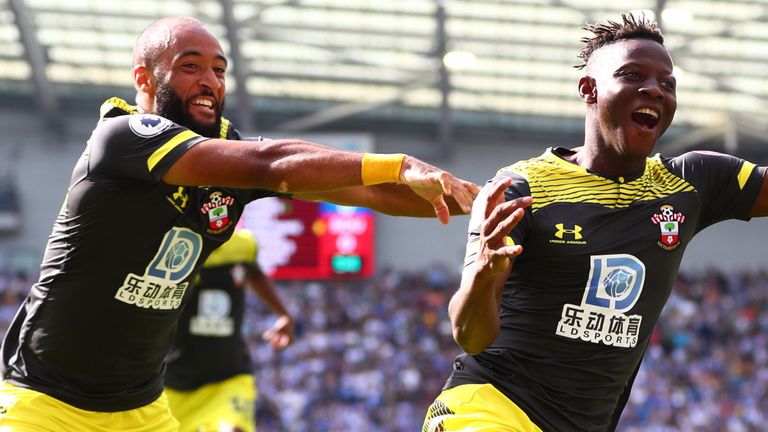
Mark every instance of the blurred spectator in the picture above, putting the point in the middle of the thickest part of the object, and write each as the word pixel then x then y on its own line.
pixel 371 355
pixel 10 218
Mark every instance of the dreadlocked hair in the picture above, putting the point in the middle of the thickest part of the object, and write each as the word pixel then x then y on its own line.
pixel 631 27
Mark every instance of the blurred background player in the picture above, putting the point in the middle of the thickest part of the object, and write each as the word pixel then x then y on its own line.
pixel 209 380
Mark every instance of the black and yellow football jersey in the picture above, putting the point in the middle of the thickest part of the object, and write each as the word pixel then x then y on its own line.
pixel 95 328
pixel 600 256
pixel 209 344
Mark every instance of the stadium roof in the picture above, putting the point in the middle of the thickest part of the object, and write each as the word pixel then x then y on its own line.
pixel 300 65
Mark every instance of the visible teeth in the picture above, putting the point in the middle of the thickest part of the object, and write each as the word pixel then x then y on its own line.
pixel 647 111
pixel 203 102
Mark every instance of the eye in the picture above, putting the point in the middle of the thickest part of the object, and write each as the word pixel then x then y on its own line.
pixel 631 75
pixel 669 84
pixel 189 65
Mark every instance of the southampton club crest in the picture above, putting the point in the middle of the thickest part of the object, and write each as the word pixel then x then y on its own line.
pixel 669 223
pixel 217 209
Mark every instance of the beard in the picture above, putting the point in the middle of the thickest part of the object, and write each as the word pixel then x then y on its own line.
pixel 171 106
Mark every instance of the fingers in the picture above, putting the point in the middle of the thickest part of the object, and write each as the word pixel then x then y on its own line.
pixel 496 248
pixel 438 203
pixel 464 193
pixel 434 185
pixel 445 180
pixel 277 339
pixel 471 187
pixel 496 194
pixel 502 216
pixel 280 341
pixel 281 333
pixel 441 209
pixel 506 215
pixel 498 231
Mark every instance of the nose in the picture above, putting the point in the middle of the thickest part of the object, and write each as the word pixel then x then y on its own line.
pixel 210 80
pixel 652 89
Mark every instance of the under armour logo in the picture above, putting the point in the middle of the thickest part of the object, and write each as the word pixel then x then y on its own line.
pixel 179 195
pixel 561 231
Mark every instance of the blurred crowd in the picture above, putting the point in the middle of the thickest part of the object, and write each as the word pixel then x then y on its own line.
pixel 706 368
pixel 372 355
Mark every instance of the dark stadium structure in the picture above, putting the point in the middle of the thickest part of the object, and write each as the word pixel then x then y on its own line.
pixel 450 69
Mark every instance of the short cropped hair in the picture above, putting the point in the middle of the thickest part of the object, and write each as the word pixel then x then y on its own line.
pixel 156 38
pixel 631 27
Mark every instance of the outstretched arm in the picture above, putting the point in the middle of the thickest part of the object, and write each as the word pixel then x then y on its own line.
pixel 474 308
pixel 304 168
pixel 280 335
pixel 396 200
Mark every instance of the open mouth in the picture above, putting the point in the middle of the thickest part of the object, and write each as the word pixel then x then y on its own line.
pixel 646 117
pixel 203 103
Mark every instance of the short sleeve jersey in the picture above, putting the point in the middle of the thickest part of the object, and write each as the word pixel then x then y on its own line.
pixel 600 256
pixel 94 330
pixel 209 344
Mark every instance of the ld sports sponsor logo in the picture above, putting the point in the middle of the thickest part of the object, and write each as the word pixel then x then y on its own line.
pixel 614 285
pixel 213 316
pixel 163 284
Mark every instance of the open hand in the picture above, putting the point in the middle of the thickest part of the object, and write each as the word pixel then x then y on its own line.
pixel 500 218
pixel 281 333
pixel 434 184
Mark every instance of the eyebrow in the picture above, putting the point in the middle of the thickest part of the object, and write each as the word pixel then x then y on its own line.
pixel 199 54
pixel 638 64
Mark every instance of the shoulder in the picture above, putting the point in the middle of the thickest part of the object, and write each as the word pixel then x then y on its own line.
pixel 521 173
pixel 702 157
pixel 548 165
pixel 132 127
pixel 701 162
pixel 117 118
pixel 528 167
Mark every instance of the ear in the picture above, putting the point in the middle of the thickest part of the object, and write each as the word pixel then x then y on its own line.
pixel 144 80
pixel 588 89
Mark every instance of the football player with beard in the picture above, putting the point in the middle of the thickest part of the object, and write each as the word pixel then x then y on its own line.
pixel 159 186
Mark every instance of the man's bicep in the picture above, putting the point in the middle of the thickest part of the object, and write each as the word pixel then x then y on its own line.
pixel 226 163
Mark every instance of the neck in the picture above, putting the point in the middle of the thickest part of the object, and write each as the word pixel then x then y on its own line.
pixel 143 104
pixel 600 156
